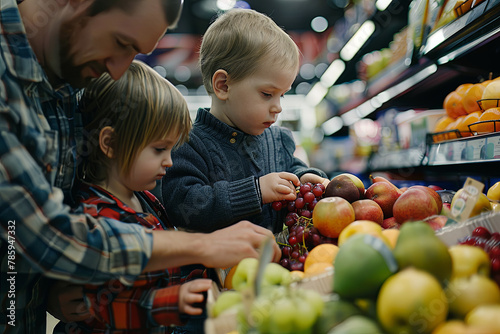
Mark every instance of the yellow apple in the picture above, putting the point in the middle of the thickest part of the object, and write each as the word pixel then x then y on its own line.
pixel 494 192
pixel 486 317
pixel 468 260
pixel 491 95
pixel 361 226
pixel 466 293
pixel 483 204
pixel 411 301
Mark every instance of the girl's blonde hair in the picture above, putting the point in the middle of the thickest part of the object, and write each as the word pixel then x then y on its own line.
pixel 141 107
pixel 239 40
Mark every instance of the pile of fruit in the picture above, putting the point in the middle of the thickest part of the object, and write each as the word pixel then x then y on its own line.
pixel 414 284
pixel 318 215
pixel 276 309
pixel 419 286
pixel 470 108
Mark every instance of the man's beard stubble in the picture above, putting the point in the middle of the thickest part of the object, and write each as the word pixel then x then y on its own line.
pixel 71 73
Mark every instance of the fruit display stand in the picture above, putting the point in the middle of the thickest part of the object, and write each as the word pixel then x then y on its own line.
pixel 453 234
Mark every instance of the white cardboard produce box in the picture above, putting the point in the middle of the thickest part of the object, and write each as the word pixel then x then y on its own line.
pixel 453 234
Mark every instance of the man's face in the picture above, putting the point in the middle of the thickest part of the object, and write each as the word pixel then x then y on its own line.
pixel 109 41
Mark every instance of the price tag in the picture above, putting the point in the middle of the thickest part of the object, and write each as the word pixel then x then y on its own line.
pixel 458 151
pixel 492 150
pixel 466 200
pixel 474 149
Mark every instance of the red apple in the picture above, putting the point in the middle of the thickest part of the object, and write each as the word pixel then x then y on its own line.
pixel 331 215
pixel 433 193
pixel 384 194
pixel 366 209
pixel 415 204
pixel 390 223
pixel 437 222
pixel 347 186
pixel 434 187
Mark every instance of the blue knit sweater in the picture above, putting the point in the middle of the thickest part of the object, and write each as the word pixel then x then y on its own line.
pixel 212 183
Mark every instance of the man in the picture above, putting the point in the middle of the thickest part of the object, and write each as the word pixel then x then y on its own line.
pixel 45 44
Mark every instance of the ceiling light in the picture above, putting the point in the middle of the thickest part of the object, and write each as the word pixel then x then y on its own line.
pixel 332 73
pixel 333 125
pixel 319 24
pixel 382 4
pixel 225 4
pixel 357 40
pixel 316 94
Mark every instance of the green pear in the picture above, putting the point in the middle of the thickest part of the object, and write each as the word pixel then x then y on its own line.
pixel 362 264
pixel 418 246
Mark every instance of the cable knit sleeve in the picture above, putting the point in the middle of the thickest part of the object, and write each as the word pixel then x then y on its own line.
pixel 200 194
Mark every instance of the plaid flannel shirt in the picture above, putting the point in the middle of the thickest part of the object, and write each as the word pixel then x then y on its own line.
pixel 37 233
pixel 151 304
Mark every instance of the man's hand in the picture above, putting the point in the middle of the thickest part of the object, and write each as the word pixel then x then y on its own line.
pixel 65 302
pixel 227 247
pixel 278 186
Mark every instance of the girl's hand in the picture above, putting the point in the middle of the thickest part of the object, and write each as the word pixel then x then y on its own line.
pixel 313 178
pixel 191 293
pixel 278 186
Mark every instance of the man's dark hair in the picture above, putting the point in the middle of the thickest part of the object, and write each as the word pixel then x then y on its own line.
pixel 171 8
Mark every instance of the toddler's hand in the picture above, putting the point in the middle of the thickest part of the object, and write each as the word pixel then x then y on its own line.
pixel 278 186
pixel 313 178
pixel 191 293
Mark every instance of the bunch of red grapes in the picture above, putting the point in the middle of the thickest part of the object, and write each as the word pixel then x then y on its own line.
pixel 490 243
pixel 302 235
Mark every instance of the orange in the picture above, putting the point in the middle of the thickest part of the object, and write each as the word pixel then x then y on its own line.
pixel 488 115
pixel 228 281
pixel 453 105
pixel 491 95
pixel 452 126
pixel 442 123
pixel 463 126
pixel 440 126
pixel 296 275
pixel 463 88
pixel 317 268
pixel 471 96
pixel 391 234
pixel 323 253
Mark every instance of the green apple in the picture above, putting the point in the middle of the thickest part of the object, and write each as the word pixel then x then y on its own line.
pixel 411 301
pixel 468 260
pixel 244 275
pixel 335 311
pixel 276 274
pixel 282 316
pixel 357 324
pixel 226 300
pixel 466 293
pixel 485 317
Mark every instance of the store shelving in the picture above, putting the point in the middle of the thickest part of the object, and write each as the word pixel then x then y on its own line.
pixel 465 50
pixel 462 50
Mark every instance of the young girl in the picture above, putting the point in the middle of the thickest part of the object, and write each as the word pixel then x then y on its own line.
pixel 235 163
pixel 134 123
